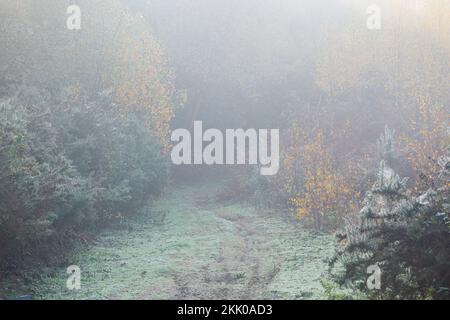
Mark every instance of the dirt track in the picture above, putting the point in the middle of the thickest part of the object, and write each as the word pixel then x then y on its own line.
pixel 190 247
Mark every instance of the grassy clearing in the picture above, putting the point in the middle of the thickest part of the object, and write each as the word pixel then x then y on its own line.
pixel 189 247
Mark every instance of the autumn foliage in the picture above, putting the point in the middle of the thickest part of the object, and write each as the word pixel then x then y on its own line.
pixel 113 50
pixel 397 77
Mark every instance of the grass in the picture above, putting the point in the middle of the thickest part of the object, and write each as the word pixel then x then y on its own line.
pixel 186 248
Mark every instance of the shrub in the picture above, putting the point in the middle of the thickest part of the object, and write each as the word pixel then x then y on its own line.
pixel 115 152
pixel 70 168
pixel 38 184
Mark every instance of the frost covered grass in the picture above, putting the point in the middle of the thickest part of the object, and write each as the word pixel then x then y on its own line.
pixel 188 246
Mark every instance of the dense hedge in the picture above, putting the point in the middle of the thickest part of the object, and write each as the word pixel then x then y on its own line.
pixel 67 168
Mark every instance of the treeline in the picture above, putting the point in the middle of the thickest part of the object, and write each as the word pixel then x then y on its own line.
pixel 332 88
pixel 315 71
pixel 351 83
pixel 337 178
pixel 84 117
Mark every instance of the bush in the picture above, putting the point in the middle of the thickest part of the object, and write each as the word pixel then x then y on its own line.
pixel 115 152
pixel 66 171
pixel 38 183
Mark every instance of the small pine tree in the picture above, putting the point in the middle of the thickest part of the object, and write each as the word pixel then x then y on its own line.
pixel 407 237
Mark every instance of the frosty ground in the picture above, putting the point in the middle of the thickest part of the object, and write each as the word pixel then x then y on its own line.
pixel 188 246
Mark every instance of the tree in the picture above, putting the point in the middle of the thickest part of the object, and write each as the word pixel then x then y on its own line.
pixel 112 50
pixel 406 237
pixel 84 120
pixel 326 194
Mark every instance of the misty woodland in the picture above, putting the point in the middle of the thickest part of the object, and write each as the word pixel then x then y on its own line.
pixel 224 149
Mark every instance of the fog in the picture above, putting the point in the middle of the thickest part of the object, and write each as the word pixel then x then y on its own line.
pixel 224 149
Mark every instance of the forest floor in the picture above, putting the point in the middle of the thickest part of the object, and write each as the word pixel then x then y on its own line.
pixel 191 247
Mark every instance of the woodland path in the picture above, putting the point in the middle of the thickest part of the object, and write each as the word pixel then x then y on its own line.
pixel 190 247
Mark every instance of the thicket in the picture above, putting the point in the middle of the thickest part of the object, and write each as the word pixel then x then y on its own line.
pixel 331 89
pixel 84 119
pixel 71 168
pixel 327 155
